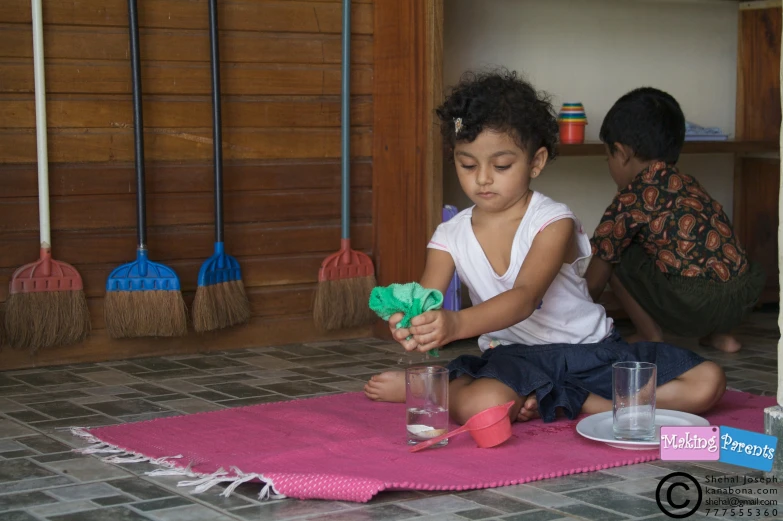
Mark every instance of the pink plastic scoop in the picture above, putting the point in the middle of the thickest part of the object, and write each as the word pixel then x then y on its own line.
pixel 488 428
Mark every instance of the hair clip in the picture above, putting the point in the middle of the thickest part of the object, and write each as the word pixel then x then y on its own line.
pixel 457 125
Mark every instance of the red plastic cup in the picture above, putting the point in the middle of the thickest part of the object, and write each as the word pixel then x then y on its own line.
pixel 572 133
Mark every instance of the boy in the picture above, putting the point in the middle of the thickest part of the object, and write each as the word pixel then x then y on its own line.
pixel 666 248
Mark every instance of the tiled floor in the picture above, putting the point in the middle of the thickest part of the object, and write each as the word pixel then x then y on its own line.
pixel 41 479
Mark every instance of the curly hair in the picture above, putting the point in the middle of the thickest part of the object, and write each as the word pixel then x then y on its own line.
pixel 503 102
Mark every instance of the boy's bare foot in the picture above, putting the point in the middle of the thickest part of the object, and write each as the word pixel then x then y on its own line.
pixel 529 409
pixel 386 387
pixel 722 342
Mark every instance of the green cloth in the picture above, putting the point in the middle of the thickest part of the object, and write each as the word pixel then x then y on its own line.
pixel 409 299
pixel 689 306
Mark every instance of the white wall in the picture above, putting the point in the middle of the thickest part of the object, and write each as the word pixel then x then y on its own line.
pixel 594 51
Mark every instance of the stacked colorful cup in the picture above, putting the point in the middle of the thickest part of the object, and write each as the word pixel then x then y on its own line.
pixel 572 120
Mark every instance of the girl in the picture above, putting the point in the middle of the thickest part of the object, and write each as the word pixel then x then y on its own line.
pixel 522 256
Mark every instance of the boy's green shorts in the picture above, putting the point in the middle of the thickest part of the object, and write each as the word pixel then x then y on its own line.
pixel 689 306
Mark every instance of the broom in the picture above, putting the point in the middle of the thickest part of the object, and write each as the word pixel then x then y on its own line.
pixel 347 277
pixel 46 304
pixel 220 296
pixel 143 298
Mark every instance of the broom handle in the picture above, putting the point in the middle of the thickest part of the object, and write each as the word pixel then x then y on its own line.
pixel 217 134
pixel 345 121
pixel 138 126
pixel 40 126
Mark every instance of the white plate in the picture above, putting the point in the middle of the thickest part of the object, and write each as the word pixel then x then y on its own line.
pixel 598 427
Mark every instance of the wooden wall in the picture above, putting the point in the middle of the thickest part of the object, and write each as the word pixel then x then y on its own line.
pixel 757 179
pixel 281 114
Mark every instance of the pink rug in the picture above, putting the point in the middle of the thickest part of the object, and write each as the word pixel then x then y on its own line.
pixel 345 447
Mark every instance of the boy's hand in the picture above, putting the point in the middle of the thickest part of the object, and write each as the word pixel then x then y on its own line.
pixel 401 334
pixel 434 329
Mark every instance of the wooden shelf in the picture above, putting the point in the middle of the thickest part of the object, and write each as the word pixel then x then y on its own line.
pixel 690 147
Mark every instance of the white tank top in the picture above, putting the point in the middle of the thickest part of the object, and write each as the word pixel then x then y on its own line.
pixel 567 314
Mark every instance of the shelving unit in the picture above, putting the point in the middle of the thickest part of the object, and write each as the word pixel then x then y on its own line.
pixel 690 147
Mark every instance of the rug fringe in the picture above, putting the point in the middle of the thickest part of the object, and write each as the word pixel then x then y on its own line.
pixel 203 482
pixel 174 471
pixel 206 482
pixel 81 432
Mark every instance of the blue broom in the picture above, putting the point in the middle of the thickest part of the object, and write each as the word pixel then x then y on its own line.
pixel 220 300
pixel 143 298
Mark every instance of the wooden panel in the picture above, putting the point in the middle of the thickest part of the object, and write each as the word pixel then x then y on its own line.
pixel 758 74
pixel 196 242
pixel 407 70
pixel 758 215
pixel 269 331
pixel 21 180
pixel 95 145
pixel 114 77
pixel 235 15
pixel 119 211
pixel 756 181
pixel 111 111
pixel 105 43
pixel 281 83
pixel 404 78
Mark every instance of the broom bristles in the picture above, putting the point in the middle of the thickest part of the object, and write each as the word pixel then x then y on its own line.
pixel 44 319
pixel 343 303
pixel 145 313
pixel 219 306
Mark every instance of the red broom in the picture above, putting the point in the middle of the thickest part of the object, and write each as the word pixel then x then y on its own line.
pixel 46 304
pixel 347 277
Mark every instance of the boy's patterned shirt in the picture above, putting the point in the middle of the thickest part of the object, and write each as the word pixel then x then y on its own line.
pixel 676 222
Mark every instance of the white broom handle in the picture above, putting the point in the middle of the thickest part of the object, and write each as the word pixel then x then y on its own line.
pixel 40 126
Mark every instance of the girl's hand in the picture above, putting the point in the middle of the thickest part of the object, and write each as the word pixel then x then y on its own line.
pixel 401 334
pixel 434 329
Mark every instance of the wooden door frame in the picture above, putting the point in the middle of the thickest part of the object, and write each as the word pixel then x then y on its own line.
pixel 407 152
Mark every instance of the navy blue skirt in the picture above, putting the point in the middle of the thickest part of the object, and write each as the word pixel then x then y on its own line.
pixel 562 375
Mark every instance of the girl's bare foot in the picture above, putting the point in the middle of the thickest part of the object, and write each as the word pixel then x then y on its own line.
pixel 386 387
pixel 529 409
pixel 722 342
